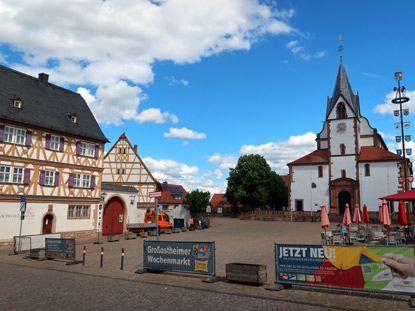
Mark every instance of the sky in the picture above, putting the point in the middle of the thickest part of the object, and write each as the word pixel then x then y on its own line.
pixel 197 84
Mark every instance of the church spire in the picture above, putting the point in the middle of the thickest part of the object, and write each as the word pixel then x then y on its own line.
pixel 342 87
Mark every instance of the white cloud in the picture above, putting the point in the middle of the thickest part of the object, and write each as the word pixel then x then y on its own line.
pixel 156 116
pixel 184 133
pixel 164 168
pixel 277 154
pixel 298 50
pixel 100 43
pixel 388 107
pixel 173 81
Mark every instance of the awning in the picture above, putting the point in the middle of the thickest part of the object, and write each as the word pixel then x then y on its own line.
pixel 404 196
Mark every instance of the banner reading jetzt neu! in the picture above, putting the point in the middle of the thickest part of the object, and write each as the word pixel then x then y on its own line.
pixel 360 267
pixel 194 257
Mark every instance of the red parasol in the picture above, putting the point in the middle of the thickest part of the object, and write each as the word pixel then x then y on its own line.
pixel 356 214
pixel 365 215
pixel 385 212
pixel 325 222
pixel 346 217
pixel 402 215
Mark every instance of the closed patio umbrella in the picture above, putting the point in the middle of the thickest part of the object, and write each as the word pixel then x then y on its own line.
pixel 386 221
pixel 346 217
pixel 325 222
pixel 365 215
pixel 356 214
pixel 380 214
pixel 402 215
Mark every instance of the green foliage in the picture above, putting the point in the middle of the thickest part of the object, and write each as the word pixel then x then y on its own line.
pixel 252 183
pixel 197 200
pixel 246 208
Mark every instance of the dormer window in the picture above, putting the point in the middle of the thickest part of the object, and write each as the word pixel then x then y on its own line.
pixel 17 103
pixel 73 118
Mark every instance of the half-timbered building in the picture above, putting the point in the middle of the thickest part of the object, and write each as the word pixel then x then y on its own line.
pixel 123 167
pixel 51 156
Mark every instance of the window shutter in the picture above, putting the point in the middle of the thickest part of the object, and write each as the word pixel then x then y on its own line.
pixel 62 144
pixel 70 180
pixel 92 186
pixel 56 179
pixel 78 148
pixel 26 178
pixel 1 132
pixel 47 143
pixel 28 138
pixel 96 151
pixel 42 178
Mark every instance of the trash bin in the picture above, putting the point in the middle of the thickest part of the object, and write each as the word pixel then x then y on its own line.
pixel 313 218
pixel 203 225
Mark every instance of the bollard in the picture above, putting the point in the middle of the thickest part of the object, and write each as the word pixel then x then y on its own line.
pixel 83 256
pixel 122 259
pixel 102 257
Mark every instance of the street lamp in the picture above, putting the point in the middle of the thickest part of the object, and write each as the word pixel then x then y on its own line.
pixel 101 206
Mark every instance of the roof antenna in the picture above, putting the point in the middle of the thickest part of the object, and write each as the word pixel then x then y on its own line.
pixel 341 49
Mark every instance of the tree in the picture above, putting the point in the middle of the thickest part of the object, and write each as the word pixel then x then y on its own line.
pixel 197 199
pixel 253 184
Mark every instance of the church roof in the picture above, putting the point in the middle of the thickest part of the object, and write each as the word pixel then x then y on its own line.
pixel 377 154
pixel 315 157
pixel 343 88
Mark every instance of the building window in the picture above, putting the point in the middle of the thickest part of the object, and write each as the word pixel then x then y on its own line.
pixel 367 169
pixel 320 171
pixel 74 118
pixel 118 171
pixel 20 136
pixel 55 142
pixel 18 175
pixel 165 208
pixel 17 103
pixel 78 211
pixel 343 173
pixel 341 111
pixel 86 181
pixel 4 173
pixel 8 134
pixel 87 149
pixel 177 196
pixel 77 180
pixel 119 151
pixel 49 178
pixel 123 171
pixel 342 149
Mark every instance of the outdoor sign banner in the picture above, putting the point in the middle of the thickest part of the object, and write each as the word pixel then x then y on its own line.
pixel 194 257
pixel 408 151
pixel 398 139
pixel 407 125
pixel 397 126
pixel 411 178
pixel 396 113
pixel 358 267
pixel 400 179
pixel 408 138
pixel 406 112
pixel 60 248
pixel 399 152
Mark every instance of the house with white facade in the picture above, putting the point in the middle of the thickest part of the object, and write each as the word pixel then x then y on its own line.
pixel 351 163
pixel 51 156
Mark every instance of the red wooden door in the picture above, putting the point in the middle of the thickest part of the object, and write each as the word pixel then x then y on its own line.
pixel 113 220
pixel 47 224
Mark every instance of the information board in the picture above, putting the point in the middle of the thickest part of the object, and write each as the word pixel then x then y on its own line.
pixel 359 267
pixel 194 257
pixel 60 248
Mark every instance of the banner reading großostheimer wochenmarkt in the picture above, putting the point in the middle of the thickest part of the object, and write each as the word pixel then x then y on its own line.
pixel 195 257
pixel 359 267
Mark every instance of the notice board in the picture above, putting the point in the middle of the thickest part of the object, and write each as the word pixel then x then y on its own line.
pixel 60 248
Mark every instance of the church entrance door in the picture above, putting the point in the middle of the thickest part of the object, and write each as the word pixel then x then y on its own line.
pixel 344 197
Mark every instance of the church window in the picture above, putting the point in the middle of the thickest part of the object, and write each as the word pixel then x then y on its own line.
pixel 320 171
pixel 343 173
pixel 342 149
pixel 341 111
pixel 367 169
pixel 299 205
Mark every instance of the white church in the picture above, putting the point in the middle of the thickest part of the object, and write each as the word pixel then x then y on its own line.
pixel 351 164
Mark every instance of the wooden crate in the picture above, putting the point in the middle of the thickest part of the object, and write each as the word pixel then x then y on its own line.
pixel 246 273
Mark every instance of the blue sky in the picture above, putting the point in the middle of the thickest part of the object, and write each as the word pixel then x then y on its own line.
pixel 196 84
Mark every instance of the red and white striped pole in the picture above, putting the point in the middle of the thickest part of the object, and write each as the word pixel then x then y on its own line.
pixel 102 257
pixel 122 259
pixel 83 256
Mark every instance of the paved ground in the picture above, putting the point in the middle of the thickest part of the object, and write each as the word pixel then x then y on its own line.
pixel 26 283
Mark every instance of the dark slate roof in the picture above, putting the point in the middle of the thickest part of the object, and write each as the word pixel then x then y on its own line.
pixel 109 187
pixel 45 105
pixel 342 87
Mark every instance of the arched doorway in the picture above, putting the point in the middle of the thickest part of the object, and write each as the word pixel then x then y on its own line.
pixel 47 224
pixel 344 197
pixel 113 220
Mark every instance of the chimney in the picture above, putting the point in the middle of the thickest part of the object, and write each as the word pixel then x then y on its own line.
pixel 165 186
pixel 135 148
pixel 43 78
